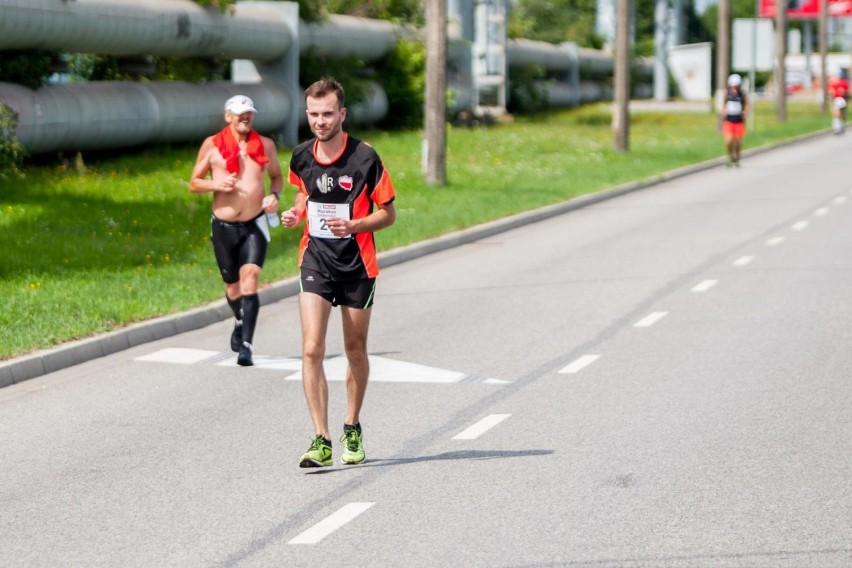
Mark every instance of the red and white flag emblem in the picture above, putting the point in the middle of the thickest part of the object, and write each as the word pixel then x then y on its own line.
pixel 345 182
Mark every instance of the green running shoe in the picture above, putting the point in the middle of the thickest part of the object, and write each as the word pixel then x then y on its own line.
pixel 352 439
pixel 318 455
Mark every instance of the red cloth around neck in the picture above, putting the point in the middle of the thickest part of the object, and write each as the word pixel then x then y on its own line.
pixel 229 147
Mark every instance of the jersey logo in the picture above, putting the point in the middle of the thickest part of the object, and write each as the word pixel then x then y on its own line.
pixel 345 182
pixel 325 183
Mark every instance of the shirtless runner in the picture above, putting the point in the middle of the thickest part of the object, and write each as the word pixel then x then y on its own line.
pixel 237 159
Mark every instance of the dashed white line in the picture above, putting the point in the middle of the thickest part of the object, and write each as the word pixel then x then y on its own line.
pixel 331 523
pixel 743 260
pixel 821 212
pixel 578 364
pixel 704 286
pixel 650 319
pixel 774 241
pixel 840 200
pixel 481 427
pixel 800 226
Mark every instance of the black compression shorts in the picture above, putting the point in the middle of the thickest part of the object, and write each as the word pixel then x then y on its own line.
pixel 236 244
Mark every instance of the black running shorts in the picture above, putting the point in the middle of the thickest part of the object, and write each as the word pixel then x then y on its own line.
pixel 352 293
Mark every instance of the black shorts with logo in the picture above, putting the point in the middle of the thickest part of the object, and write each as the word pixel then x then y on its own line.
pixel 351 293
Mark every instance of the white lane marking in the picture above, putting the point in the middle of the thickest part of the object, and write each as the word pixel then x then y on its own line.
pixel 704 286
pixel 381 368
pixel 481 427
pixel 774 241
pixel 395 371
pixel 179 355
pixel 650 319
pixel 331 523
pixel 578 364
pixel 743 260
pixel 821 212
pixel 840 200
pixel 800 226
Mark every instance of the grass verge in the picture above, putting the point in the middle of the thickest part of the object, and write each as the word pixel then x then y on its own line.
pixel 121 240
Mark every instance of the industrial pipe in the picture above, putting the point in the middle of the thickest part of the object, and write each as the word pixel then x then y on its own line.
pixel 131 27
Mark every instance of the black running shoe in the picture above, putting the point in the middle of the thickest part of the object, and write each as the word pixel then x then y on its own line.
pixel 237 336
pixel 244 358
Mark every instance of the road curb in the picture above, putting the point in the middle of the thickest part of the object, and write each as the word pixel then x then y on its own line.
pixel 46 361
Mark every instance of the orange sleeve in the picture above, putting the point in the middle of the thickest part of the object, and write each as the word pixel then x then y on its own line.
pixel 384 191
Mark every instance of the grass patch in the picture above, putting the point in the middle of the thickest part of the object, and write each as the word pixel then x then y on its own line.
pixel 91 250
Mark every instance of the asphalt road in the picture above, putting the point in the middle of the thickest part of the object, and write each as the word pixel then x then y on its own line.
pixel 659 379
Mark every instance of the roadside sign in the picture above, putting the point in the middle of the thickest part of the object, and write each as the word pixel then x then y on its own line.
pixel 753 45
pixel 807 9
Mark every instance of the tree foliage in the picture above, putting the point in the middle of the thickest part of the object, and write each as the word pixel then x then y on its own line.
pixel 555 21
pixel 739 9
pixel 400 11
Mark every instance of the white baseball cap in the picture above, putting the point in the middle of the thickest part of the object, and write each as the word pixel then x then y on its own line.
pixel 239 104
pixel 735 80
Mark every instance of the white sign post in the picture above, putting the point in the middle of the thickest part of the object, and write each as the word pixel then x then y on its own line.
pixel 753 49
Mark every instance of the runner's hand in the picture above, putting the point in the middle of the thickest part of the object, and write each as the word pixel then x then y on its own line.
pixel 290 218
pixel 226 184
pixel 339 227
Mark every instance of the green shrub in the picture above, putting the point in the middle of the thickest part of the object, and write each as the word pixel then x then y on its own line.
pixel 527 92
pixel 28 68
pixel 403 77
pixel 12 152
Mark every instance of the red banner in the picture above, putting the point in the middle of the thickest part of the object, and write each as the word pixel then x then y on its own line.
pixel 807 9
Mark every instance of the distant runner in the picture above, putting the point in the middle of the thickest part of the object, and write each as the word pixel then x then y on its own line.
pixel 839 90
pixel 733 113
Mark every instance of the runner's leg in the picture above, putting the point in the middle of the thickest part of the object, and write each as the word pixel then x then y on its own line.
pixel 249 277
pixel 314 313
pixel 356 324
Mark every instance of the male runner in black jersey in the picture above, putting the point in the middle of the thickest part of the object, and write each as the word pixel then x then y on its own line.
pixel 346 195
pixel 237 160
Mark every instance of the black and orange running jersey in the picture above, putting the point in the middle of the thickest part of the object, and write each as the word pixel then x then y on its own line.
pixel 350 184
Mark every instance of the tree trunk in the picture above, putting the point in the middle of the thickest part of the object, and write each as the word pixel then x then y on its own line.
pixel 621 115
pixel 435 113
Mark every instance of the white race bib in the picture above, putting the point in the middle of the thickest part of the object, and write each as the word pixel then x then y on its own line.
pixel 734 107
pixel 320 213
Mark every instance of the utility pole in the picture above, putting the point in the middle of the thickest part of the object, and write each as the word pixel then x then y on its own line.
pixel 435 113
pixel 662 36
pixel 823 54
pixel 780 53
pixel 723 51
pixel 621 115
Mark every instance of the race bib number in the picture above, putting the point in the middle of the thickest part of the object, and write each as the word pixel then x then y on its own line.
pixel 734 107
pixel 320 213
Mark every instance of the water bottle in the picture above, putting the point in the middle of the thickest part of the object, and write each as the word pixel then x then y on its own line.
pixel 272 218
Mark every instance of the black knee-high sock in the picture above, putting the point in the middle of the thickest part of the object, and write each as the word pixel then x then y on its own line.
pixel 236 306
pixel 251 306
